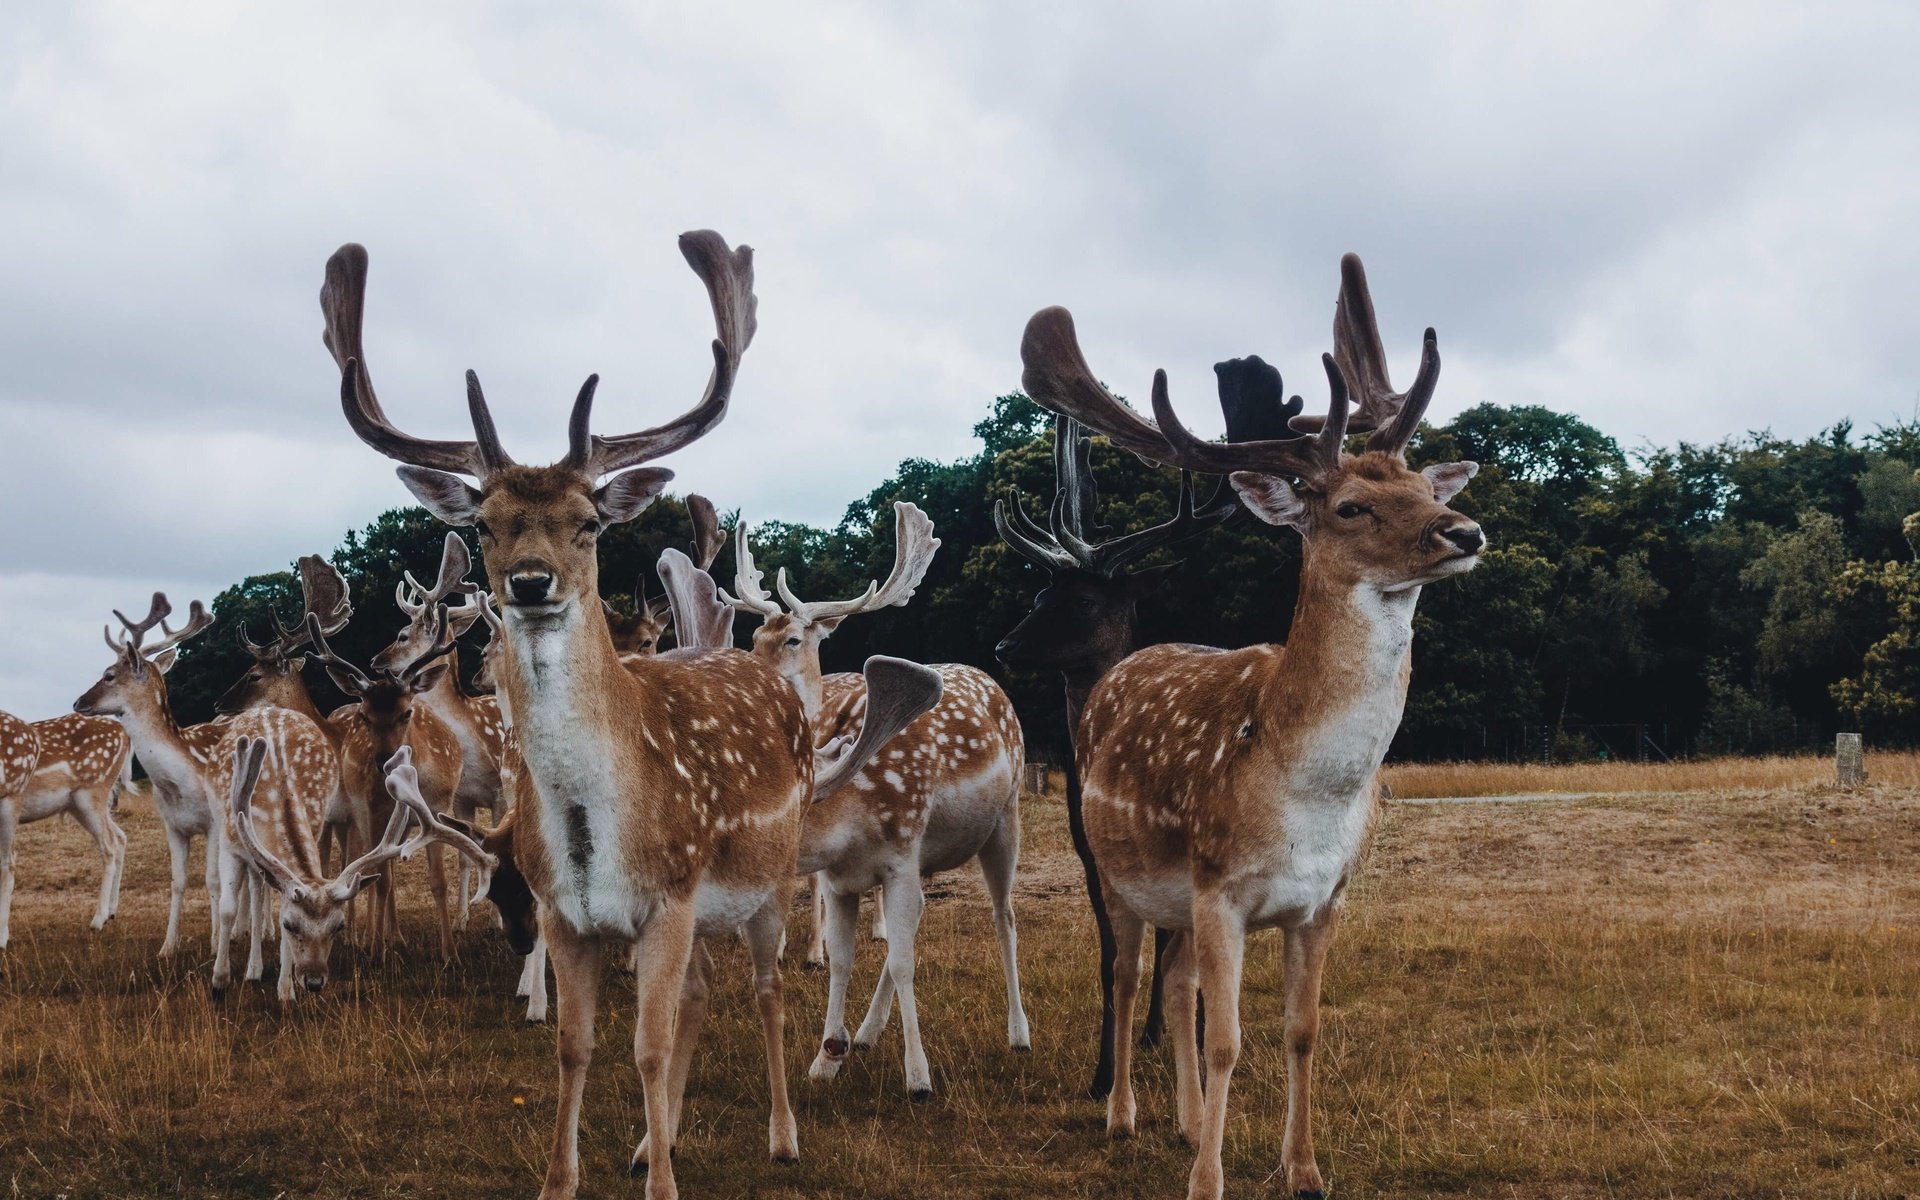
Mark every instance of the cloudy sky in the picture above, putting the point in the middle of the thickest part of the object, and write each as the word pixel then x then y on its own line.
pixel 1675 221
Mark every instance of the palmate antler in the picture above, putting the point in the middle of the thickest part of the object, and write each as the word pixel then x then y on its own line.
pixel 914 546
pixel 248 756
pixel 455 561
pixel 133 645
pixel 323 592
pixel 728 275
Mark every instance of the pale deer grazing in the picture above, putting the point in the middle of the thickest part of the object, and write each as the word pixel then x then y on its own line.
pixel 74 765
pixel 191 770
pixel 276 678
pixel 1083 622
pixel 386 717
pixel 1229 791
pixel 662 798
pixel 474 719
pixel 945 790
pixel 280 848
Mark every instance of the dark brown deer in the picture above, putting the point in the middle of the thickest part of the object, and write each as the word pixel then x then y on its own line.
pixel 1229 791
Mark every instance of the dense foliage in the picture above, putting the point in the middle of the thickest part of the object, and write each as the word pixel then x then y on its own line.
pixel 1751 595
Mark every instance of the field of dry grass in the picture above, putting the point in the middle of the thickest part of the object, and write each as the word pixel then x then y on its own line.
pixel 1416 780
pixel 1714 994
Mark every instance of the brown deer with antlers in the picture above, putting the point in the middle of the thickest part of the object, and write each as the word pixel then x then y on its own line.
pixel 942 792
pixel 662 800
pixel 475 720
pixel 1229 791
pixel 386 716
pixel 191 770
pixel 73 765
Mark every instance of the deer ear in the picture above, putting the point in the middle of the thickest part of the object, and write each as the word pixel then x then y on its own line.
pixel 424 679
pixel 1146 579
pixel 344 682
pixel 623 497
pixel 1448 478
pixel 163 661
pixel 445 496
pixel 363 883
pixel 1271 498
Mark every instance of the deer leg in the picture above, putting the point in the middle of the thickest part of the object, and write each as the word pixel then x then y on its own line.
pixel 817 935
pixel 283 987
pixel 1156 1025
pixel 695 992
pixel 999 859
pixel 218 933
pixel 177 846
pixel 576 971
pixel 1180 981
pixel 253 901
pixel 1306 956
pixel 230 881
pixel 666 950
pixel 843 920
pixel 1128 932
pixel 533 981
pixel 437 881
pixel 9 825
pixel 878 931
pixel 1219 942
pixel 1102 1083
pixel 905 901
pixel 764 932
pixel 467 812
pixel 90 813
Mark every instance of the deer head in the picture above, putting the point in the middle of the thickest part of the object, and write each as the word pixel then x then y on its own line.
pixel 490 850
pixel 386 699
pixel 133 686
pixel 539 526
pixel 422 606
pixel 274 678
pixel 312 911
pixel 789 640
pixel 1367 519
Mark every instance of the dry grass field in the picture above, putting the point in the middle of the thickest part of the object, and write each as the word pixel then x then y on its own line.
pixel 1706 994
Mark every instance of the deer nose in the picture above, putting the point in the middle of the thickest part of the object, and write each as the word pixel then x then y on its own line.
pixel 530 587
pixel 1007 645
pixel 313 983
pixel 1467 537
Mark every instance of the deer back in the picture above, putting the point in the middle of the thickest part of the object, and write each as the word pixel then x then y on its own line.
pixel 19 752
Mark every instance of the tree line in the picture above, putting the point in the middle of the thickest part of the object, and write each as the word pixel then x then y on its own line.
pixel 1752 595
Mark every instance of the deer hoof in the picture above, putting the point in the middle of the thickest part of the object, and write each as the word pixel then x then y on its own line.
pixel 920 1095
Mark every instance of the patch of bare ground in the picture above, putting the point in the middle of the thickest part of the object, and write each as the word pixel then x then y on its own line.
pixel 1700 995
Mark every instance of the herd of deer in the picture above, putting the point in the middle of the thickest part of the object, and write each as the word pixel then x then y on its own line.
pixel 646 802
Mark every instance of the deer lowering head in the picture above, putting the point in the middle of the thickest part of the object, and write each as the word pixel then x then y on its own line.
pixel 425 607
pixel 1366 519
pixel 313 909
pixel 133 686
pixel 539 526
pixel 789 639
pixel 274 678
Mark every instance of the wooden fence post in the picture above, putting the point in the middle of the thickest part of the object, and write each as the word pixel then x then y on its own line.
pixel 1849 760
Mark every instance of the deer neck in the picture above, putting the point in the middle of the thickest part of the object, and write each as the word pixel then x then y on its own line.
pixel 300 700
pixel 560 673
pixel 1081 677
pixel 160 745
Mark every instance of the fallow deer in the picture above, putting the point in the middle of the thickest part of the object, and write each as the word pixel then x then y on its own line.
pixel 1083 622
pixel 662 801
pixel 642 631
pixel 280 847
pixel 386 717
pixel 191 770
pixel 75 765
pixel 1229 791
pixel 945 790
pixel 474 719
pixel 276 679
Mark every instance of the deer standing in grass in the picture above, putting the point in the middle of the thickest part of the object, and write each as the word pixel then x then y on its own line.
pixel 73 765
pixel 276 679
pixel 1229 791
pixel 1083 622
pixel 474 720
pixel 388 715
pixel 192 768
pixel 945 790
pixel 659 800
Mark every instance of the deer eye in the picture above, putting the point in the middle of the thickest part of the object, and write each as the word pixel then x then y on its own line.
pixel 793 641
pixel 1350 510
pixel 483 528
pixel 590 528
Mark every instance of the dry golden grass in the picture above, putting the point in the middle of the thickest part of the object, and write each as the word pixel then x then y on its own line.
pixel 1417 780
pixel 1703 995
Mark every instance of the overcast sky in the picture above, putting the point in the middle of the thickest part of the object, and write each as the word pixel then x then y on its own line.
pixel 1675 224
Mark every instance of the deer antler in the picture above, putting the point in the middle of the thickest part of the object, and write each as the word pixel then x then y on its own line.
pixel 248 754
pixel 403 784
pixel 914 545
pixel 708 537
pixel 898 692
pixel 1391 417
pixel 324 592
pixel 198 620
pixel 391 845
pixel 748 579
pixel 1057 376
pixel 702 614
pixel 351 679
pixel 728 274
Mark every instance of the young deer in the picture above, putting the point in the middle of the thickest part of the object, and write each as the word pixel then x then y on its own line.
pixel 386 718
pixel 74 765
pixel 275 679
pixel 1083 622
pixel 191 769
pixel 945 790
pixel 1229 791
pixel 663 799
pixel 281 850
pixel 474 719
